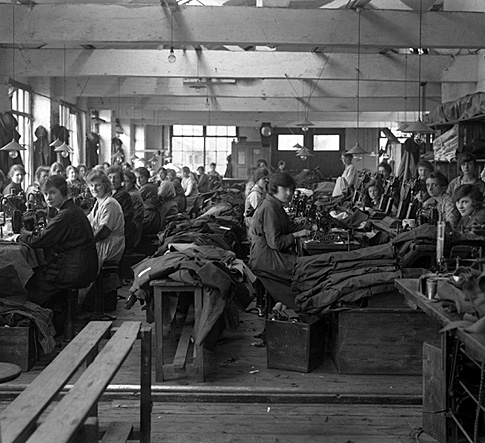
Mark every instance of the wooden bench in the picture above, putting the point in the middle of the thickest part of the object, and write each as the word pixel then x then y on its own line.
pixel 75 416
pixel 167 288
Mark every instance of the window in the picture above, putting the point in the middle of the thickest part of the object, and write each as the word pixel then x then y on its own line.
pixel 326 142
pixel 287 142
pixel 197 145
pixel 21 100
pixel 139 141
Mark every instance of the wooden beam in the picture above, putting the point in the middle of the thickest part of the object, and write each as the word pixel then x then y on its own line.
pixel 233 65
pixel 230 104
pixel 243 26
pixel 108 87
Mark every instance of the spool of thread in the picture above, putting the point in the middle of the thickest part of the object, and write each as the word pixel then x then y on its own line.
pixel 431 288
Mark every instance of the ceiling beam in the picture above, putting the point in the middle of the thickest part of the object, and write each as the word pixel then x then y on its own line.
pixel 244 26
pixel 233 65
pixel 114 87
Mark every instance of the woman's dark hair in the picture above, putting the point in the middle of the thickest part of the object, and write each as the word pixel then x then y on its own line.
pixel 212 164
pixel 442 179
pixel 467 157
pixel 58 166
pixel 468 191
pixel 201 168
pixel 56 181
pixel 259 174
pixel 425 164
pixel 375 183
pixel 262 160
pixel 186 170
pixel 386 166
pixel 130 176
pixel 143 171
pixel 102 177
pixel 346 155
pixel 280 179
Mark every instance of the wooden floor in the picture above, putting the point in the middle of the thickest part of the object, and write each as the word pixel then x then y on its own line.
pixel 244 401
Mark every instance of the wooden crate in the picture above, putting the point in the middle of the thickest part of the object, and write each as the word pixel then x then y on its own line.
pixel 379 340
pixel 295 346
pixel 17 345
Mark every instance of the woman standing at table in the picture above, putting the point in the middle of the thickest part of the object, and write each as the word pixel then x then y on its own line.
pixel 273 235
pixel 68 245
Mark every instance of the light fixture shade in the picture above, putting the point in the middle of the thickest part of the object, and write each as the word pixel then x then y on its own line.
pixel 357 149
pixel 64 147
pixel 118 128
pixel 419 127
pixel 56 143
pixel 13 146
pixel 303 152
pixel 304 124
pixel 402 126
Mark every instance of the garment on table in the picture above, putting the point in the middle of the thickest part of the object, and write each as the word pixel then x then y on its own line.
pixel 151 203
pixel 69 252
pixel 108 212
pixel 446 208
pixel 272 255
pixel 458 181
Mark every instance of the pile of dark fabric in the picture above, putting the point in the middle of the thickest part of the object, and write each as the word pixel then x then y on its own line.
pixel 329 281
pixel 23 314
pixel 227 282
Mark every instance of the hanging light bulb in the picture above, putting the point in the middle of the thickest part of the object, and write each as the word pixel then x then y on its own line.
pixel 13 154
pixel 171 56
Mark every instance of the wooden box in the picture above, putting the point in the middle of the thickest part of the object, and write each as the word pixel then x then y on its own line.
pixel 295 346
pixel 380 340
pixel 18 346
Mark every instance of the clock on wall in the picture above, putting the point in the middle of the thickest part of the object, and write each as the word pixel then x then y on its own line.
pixel 266 130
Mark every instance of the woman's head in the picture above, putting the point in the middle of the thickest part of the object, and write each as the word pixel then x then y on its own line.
pixel 57 168
pixel 200 170
pixel 347 159
pixel 185 171
pixel 71 172
pixel 16 174
pixel 384 169
pixel 262 163
pixel 142 175
pixel 115 175
pixel 436 184
pixel 99 184
pixel 130 179
pixel 171 174
pixel 261 177
pixel 468 164
pixel 374 190
pixel 424 168
pixel 467 199
pixel 281 165
pixel 281 186
pixel 213 166
pixel 82 170
pixel 55 190
pixel 41 174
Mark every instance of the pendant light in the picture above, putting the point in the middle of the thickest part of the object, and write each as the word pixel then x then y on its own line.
pixel 302 152
pixel 64 148
pixel 418 127
pixel 13 147
pixel 357 149
pixel 171 56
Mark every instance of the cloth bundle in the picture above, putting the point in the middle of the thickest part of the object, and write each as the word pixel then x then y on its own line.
pixel 445 146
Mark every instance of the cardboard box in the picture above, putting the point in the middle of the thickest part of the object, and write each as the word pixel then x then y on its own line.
pixel 380 340
pixel 295 346
pixel 18 346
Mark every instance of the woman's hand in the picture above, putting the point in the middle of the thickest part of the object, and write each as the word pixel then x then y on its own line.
pixel 302 233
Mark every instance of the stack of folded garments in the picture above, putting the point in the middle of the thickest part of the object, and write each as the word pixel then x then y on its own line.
pixel 445 145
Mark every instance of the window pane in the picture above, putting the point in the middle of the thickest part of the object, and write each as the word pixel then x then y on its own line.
pixel 326 142
pixel 287 142
pixel 188 151
pixel 188 130
pixel 216 150
pixel 221 131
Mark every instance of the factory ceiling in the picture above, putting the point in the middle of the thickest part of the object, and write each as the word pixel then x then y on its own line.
pixel 244 62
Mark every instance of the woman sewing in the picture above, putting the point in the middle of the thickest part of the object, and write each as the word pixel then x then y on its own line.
pixel 469 201
pixel 436 185
pixel 68 245
pixel 470 174
pixel 273 235
pixel 373 194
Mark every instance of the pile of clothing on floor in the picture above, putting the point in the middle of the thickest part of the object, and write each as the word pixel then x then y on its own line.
pixel 329 281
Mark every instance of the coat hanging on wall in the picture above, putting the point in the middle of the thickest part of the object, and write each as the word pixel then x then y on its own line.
pixel 42 150
pixel 61 133
pixel 118 155
pixel 8 123
pixel 92 149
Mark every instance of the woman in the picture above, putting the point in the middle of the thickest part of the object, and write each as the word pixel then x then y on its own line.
pixel 138 208
pixel 189 184
pixel 74 185
pixel 57 168
pixel 203 183
pixel 470 174
pixel 34 191
pixel 373 194
pixel 16 175
pixel 436 185
pixel 272 255
pixel 179 191
pixel 215 178
pixel 255 196
pixel 68 245
pixel 349 177
pixel 106 219
pixel 469 201
pixel 151 203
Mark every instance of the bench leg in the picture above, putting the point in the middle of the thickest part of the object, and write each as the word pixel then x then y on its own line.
pixel 72 297
pixel 146 385
pixel 157 295
pixel 199 349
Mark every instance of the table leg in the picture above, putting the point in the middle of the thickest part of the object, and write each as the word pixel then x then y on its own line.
pixel 199 349
pixel 158 301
